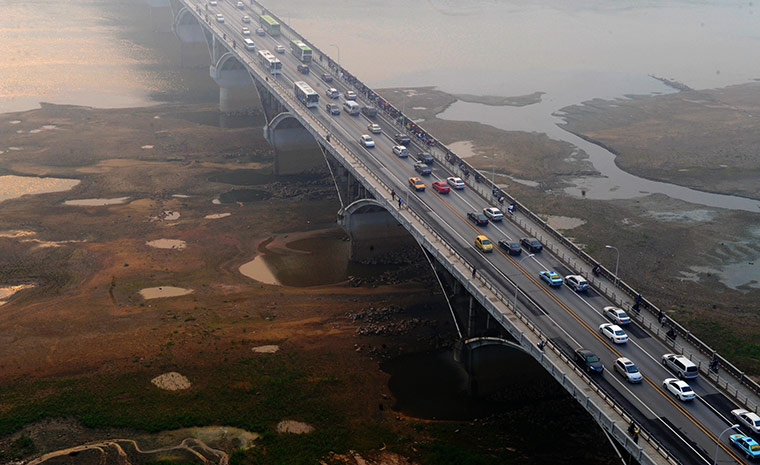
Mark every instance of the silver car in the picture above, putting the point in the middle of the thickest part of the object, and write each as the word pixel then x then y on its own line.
pixel 628 370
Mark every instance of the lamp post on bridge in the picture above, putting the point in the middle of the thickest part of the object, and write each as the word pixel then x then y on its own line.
pixel 338 48
pixel 514 304
pixel 617 262
pixel 493 168
pixel 717 443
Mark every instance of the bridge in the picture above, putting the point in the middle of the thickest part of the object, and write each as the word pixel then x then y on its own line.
pixel 382 213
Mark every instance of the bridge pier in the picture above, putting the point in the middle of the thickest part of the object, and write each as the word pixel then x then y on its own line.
pixel 237 94
pixel 161 15
pixel 295 149
pixel 194 48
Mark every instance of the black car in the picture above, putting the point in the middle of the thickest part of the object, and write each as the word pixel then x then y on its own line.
pixel 426 158
pixel 512 247
pixel 589 360
pixel 369 111
pixel 303 69
pixel 477 218
pixel 402 139
pixel 422 168
pixel 327 77
pixel 532 244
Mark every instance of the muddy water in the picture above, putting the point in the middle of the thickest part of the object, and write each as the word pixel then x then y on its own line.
pixel 96 202
pixel 163 291
pixel 432 385
pixel 258 270
pixel 175 244
pixel 12 186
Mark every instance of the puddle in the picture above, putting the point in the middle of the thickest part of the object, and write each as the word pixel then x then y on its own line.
pixel 294 427
pixel 243 195
pixel 15 149
pixel 96 202
pixel 269 349
pixel 564 222
pixel 175 244
pixel 166 215
pixel 216 202
pixel 524 182
pixel 35 131
pixel 258 270
pixel 7 291
pixel 16 233
pixel 216 216
pixel 683 216
pixel 48 127
pixel 734 275
pixel 419 108
pixel 180 196
pixel 15 121
pixel 164 291
pixel 12 186
pixel 463 148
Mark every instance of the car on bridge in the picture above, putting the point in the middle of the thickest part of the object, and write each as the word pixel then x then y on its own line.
pixel 402 139
pixel 369 112
pixel 350 95
pixel 401 151
pixel 746 444
pixel 589 360
pixel 628 370
pixel 551 277
pixel 749 419
pixel 484 244
pixel 374 128
pixel 245 31
pixel 426 158
pixel 417 184
pixel 683 367
pixel 616 315
pixel 213 2
pixel 367 141
pixel 279 48
pixel 613 333
pixel 260 32
pixel 678 388
pixel 246 19
pixel 456 183
pixel 332 92
pixel 532 244
pixel 240 5
pixel 422 168
pixel 303 69
pixel 327 77
pixel 219 18
pixel 576 282
pixel 477 218
pixel 512 247
pixel 441 187
pixel 493 214
pixel 332 108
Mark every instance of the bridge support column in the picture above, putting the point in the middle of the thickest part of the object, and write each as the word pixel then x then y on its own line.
pixel 194 49
pixel 295 149
pixel 376 236
pixel 237 94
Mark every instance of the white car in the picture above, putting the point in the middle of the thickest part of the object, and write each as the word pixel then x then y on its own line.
pixel 401 151
pixel 494 214
pixel 246 19
pixel 240 5
pixel 350 95
pixel 678 388
pixel 367 141
pixel 246 31
pixel 628 370
pixel 280 49
pixel 213 3
pixel 613 333
pixel 219 18
pixel 374 128
pixel 456 183
pixel 576 282
pixel 616 315
pixel 749 419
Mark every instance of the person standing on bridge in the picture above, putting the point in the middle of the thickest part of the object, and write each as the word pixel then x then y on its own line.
pixel 393 194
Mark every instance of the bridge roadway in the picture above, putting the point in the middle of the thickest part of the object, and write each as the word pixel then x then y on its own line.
pixel 570 320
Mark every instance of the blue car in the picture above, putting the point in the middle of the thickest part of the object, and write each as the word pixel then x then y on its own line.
pixel 551 277
pixel 746 444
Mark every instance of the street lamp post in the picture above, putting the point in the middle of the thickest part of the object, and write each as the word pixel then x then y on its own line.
pixel 338 48
pixel 493 168
pixel 717 444
pixel 514 305
pixel 617 262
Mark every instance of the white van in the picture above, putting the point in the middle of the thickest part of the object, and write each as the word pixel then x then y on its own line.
pixel 249 45
pixel 351 107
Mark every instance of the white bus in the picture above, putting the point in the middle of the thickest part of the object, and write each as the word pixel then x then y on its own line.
pixel 306 94
pixel 268 61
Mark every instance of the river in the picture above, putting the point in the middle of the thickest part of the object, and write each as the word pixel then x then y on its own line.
pixel 93 53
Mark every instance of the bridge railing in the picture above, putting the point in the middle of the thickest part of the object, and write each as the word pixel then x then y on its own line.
pixel 580 261
pixel 449 258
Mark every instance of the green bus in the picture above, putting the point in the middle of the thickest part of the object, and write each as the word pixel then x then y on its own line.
pixel 270 25
pixel 301 51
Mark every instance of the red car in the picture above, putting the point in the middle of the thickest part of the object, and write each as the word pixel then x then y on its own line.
pixel 441 187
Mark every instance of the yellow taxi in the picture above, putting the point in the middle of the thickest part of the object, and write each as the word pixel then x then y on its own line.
pixel 417 184
pixel 484 244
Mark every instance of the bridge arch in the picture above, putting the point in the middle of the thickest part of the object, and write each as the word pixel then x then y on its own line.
pixel 376 236
pixel 229 62
pixel 478 342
